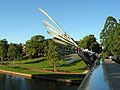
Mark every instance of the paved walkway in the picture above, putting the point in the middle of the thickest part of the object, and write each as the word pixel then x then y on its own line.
pixel 114 71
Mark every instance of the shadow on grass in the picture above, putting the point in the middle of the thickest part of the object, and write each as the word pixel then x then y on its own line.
pixel 73 63
pixel 84 68
pixel 65 78
pixel 37 61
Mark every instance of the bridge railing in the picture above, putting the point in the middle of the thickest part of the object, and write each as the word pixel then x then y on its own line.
pixel 97 78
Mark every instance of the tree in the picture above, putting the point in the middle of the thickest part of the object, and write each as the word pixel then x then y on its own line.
pixel 14 52
pixel 110 25
pixel 53 54
pixel 3 50
pixel 89 42
pixel 35 46
pixel 110 37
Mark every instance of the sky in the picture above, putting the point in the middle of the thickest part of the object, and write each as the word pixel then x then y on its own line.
pixel 21 19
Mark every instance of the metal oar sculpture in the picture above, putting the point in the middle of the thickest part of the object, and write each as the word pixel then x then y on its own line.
pixel 63 38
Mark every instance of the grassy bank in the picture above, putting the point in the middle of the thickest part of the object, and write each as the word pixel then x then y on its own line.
pixel 44 64
pixel 48 75
pixel 43 67
pixel 20 70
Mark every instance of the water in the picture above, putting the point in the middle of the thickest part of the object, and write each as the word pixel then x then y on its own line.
pixel 8 82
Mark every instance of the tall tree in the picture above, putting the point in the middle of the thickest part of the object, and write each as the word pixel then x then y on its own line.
pixel 110 25
pixel 53 54
pixel 110 37
pixel 3 50
pixel 14 52
pixel 35 46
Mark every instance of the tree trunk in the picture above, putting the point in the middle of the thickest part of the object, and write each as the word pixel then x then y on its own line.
pixel 1 60
pixel 54 67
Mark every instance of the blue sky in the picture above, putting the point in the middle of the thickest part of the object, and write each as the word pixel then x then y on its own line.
pixel 20 19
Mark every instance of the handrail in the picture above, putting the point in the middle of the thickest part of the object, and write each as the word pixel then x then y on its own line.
pixel 97 78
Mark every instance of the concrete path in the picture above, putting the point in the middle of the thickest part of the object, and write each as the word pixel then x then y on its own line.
pixel 114 71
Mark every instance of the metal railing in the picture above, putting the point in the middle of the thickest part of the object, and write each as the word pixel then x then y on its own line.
pixel 97 78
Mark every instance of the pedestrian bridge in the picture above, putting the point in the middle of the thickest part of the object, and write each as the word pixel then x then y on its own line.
pixel 104 76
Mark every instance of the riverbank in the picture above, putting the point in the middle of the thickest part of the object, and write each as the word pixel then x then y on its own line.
pixel 15 73
pixel 71 78
pixel 68 78
pixel 41 68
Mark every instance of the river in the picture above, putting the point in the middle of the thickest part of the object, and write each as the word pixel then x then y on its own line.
pixel 8 82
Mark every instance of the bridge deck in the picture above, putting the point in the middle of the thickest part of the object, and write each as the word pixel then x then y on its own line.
pixel 114 72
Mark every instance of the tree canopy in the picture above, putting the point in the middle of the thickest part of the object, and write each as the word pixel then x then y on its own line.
pixel 3 50
pixel 89 42
pixel 14 51
pixel 34 47
pixel 53 54
pixel 110 37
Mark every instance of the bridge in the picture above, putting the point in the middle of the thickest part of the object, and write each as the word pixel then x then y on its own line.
pixel 114 74
pixel 102 75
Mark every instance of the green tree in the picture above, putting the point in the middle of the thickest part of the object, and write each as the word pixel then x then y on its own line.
pixel 14 52
pixel 35 46
pixel 110 25
pixel 53 54
pixel 110 37
pixel 89 42
pixel 3 50
pixel 46 47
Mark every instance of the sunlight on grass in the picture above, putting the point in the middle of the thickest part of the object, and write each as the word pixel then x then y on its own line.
pixel 44 64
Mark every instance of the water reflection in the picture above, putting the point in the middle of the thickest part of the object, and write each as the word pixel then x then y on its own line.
pixel 18 83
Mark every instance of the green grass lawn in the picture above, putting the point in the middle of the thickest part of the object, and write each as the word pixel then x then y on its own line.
pixel 73 77
pixel 41 63
pixel 22 66
pixel 21 70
